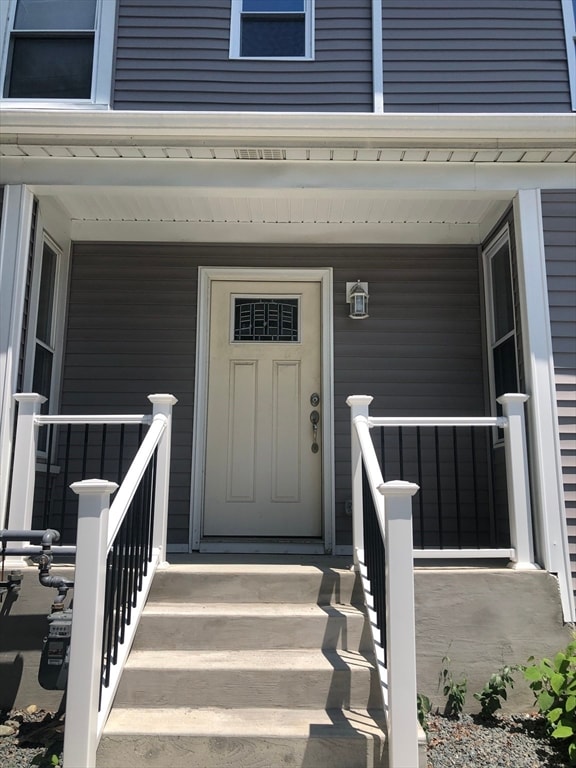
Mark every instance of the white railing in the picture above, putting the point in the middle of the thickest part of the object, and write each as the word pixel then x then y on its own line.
pixel 393 509
pixel 88 703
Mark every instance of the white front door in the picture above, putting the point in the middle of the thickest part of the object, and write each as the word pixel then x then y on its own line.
pixel 263 469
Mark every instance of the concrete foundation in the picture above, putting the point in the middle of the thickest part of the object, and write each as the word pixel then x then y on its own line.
pixel 482 619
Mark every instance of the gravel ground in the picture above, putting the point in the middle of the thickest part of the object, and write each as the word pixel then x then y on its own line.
pixel 32 737
pixel 508 741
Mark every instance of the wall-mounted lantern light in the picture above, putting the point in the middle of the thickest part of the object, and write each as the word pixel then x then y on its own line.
pixel 357 297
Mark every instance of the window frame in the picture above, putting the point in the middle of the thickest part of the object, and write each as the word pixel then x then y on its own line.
pixel 501 238
pixel 569 14
pixel 236 14
pixel 102 62
pixel 56 344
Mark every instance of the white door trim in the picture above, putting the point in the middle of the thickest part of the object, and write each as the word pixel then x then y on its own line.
pixel 240 274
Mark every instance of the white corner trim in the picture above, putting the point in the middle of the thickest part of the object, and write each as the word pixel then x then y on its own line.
pixel 377 58
pixel 547 489
pixel 14 244
pixel 570 34
pixel 205 276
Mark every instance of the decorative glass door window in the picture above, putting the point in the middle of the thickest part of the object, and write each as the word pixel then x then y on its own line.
pixel 266 319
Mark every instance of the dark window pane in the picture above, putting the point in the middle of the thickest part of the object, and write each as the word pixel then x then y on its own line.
pixel 502 293
pixel 46 297
pixel 42 377
pixel 55 14
pixel 273 6
pixel 505 371
pixel 51 67
pixel 265 319
pixel 272 37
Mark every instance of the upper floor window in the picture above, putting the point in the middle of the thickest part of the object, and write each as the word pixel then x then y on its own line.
pixel 569 11
pixel 58 50
pixel 272 29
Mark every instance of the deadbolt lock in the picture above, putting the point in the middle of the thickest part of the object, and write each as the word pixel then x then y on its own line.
pixel 314 399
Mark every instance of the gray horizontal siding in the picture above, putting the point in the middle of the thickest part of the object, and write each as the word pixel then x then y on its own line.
pixel 174 55
pixel 559 223
pixel 474 56
pixel 132 327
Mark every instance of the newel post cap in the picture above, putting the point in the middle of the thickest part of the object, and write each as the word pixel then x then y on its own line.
pixel 512 397
pixel 163 399
pixel 29 397
pixel 94 487
pixel 398 488
pixel 359 400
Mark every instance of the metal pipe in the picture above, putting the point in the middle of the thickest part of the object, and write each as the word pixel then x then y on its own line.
pixel 47 536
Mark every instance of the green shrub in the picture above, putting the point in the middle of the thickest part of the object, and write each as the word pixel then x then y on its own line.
pixel 491 696
pixel 553 683
pixel 455 692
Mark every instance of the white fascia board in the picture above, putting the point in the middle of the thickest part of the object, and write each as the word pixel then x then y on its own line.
pixel 398 129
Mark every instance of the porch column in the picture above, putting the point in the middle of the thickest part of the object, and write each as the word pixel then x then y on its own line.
pixel 84 674
pixel 24 475
pixel 544 446
pixel 359 406
pixel 14 248
pixel 162 404
pixel 520 513
pixel 400 624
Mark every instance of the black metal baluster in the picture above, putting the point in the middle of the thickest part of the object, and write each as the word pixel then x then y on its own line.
pixel 421 484
pixel 475 486
pixel 65 479
pixel 439 489
pixel 457 486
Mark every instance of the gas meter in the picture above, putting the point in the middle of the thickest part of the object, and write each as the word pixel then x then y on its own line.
pixel 53 672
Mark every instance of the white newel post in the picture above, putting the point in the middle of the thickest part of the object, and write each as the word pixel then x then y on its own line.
pixel 400 624
pixel 24 467
pixel 519 509
pixel 84 674
pixel 359 406
pixel 162 404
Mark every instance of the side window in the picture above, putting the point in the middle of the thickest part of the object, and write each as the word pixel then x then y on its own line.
pixel 501 317
pixel 58 50
pixel 272 29
pixel 45 339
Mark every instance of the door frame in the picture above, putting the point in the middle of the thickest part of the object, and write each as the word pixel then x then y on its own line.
pixel 241 275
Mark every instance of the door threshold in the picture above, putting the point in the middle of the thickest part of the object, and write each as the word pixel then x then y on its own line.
pixel 264 546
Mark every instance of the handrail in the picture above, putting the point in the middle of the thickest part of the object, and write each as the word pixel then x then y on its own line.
pixel 131 481
pixel 111 418
pixel 438 421
pixel 371 466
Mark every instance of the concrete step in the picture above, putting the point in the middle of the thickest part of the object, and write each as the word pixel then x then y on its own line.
pixel 278 582
pixel 246 626
pixel 247 738
pixel 244 679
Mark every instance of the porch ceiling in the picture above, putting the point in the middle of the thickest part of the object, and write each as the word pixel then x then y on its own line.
pixel 283 178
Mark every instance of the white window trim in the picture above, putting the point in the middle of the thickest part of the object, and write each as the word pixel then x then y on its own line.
pixel 58 316
pixel 499 239
pixel 104 33
pixel 235 23
pixel 570 33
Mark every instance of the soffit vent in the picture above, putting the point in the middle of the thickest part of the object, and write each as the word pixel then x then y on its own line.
pixel 260 154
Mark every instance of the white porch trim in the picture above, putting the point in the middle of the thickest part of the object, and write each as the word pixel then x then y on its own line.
pixel 14 244
pixel 547 489
pixel 205 276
